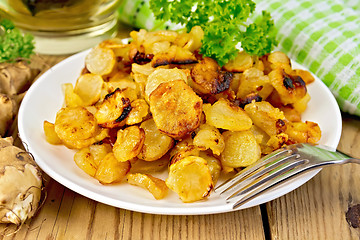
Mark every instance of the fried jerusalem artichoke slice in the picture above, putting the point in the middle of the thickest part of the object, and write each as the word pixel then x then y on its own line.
pixel 155 186
pixel 300 132
pixel 100 60
pixel 85 161
pixel 291 88
pixel 190 178
pixel 50 134
pixel 207 77
pixel 141 166
pixel 276 60
pixel 241 149
pixel 254 81
pixel 242 61
pixel 174 55
pixel 76 128
pixel 266 117
pixel 88 87
pixel 156 144
pixel 113 110
pixel 161 75
pixel 214 165
pixel 110 170
pixel 176 108
pixel 209 137
pixel 225 115
pixel 128 143
pixel 75 124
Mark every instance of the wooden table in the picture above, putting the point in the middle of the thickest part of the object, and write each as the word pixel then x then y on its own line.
pixel 316 210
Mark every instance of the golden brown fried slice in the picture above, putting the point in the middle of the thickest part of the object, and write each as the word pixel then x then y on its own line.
pixel 254 81
pixel 141 166
pixel 155 186
pixel 156 144
pixel 266 117
pixel 223 114
pixel 192 40
pixel 190 178
pixel 183 148
pixel 100 60
pixel 191 150
pixel 276 60
pixel 301 104
pixel 88 86
pixel 183 145
pixel 101 134
pixel 305 75
pixel 277 141
pixel 71 98
pixel 128 143
pixel 208 79
pixel 291 88
pixel 75 124
pixel 209 137
pixel 242 61
pixel 113 110
pixel 290 113
pixel 85 161
pixel 139 111
pixel 214 165
pixel 302 132
pixel 176 108
pixel 50 134
pixel 119 48
pixel 241 149
pixel 174 55
pixel 99 150
pixel 262 139
pixel 162 75
pixel 111 170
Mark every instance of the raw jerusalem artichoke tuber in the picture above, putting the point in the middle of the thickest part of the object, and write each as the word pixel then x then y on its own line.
pixel 15 78
pixel 20 184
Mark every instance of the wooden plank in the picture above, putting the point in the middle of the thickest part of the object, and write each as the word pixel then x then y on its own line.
pixel 67 215
pixel 317 209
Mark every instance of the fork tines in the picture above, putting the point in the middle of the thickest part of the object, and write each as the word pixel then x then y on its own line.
pixel 260 176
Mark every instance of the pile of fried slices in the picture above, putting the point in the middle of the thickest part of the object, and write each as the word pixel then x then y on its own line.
pixel 156 103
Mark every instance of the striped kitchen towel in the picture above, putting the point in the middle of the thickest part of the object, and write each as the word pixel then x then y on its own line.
pixel 322 35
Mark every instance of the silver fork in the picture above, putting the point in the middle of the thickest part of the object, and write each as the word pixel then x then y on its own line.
pixel 277 168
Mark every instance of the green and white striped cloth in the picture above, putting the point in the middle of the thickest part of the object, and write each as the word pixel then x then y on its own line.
pixel 322 35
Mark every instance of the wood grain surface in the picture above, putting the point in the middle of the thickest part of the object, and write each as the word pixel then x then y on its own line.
pixel 316 210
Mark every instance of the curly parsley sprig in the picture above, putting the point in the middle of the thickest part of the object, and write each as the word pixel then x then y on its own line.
pixel 14 44
pixel 225 24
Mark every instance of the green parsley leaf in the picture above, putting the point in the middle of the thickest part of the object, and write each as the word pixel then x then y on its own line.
pixel 259 37
pixel 225 24
pixel 14 44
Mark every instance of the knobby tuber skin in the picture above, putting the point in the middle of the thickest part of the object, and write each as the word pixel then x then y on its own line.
pixel 20 184
pixel 6 113
pixel 15 79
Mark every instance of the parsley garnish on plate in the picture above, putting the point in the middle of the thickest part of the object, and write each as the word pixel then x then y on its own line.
pixel 225 23
pixel 14 44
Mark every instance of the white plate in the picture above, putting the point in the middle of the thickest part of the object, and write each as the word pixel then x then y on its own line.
pixel 45 98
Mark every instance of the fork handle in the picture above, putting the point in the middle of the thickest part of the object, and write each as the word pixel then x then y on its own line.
pixel 333 157
pixel 346 158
